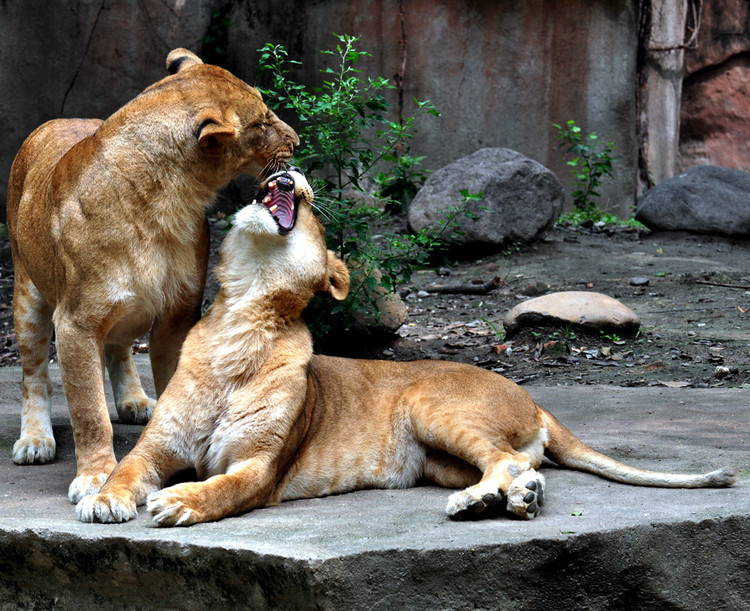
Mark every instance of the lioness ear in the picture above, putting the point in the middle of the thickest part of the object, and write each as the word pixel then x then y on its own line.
pixel 179 59
pixel 214 134
pixel 338 277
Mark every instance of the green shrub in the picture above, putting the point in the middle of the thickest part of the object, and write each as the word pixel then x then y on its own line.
pixel 347 137
pixel 591 163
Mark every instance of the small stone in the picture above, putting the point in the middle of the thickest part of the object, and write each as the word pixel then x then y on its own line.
pixel 639 282
pixel 722 371
pixel 535 288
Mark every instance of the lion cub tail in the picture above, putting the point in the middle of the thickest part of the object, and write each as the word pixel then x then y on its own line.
pixel 569 451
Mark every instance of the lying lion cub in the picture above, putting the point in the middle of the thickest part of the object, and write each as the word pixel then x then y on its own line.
pixel 109 239
pixel 262 420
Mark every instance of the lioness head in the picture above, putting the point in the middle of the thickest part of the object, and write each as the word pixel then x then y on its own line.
pixel 277 244
pixel 235 131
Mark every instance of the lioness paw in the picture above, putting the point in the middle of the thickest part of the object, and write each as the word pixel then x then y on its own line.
pixel 83 485
pixel 34 450
pixel 136 410
pixel 106 508
pixel 168 508
pixel 470 504
pixel 526 495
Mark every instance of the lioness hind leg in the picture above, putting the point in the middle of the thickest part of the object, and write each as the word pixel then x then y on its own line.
pixel 33 324
pixel 131 402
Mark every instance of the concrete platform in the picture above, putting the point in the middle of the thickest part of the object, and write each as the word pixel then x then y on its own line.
pixel 597 545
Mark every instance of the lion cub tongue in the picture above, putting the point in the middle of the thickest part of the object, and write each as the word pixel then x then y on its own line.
pixel 280 202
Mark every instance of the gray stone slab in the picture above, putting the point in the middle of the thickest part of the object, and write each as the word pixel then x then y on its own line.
pixel 596 545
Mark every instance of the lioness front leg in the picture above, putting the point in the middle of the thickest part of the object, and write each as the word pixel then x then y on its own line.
pixel 81 362
pixel 245 487
pixel 172 326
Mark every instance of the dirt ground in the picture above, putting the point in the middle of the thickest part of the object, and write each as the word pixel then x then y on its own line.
pixel 691 292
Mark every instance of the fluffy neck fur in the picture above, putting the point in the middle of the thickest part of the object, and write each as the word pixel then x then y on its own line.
pixel 254 316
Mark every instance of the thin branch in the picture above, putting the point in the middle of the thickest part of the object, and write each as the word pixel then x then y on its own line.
pixel 466 289
pixel 724 284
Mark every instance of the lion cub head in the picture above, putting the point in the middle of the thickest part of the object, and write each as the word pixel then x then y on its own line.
pixel 277 247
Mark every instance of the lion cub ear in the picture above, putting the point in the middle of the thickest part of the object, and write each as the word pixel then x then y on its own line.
pixel 215 133
pixel 338 277
pixel 179 59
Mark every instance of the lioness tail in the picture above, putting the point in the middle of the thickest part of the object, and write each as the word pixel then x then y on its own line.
pixel 569 451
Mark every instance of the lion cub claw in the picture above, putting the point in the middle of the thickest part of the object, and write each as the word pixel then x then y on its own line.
pixel 170 508
pixel 106 508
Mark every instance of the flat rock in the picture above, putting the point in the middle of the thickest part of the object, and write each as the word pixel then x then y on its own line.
pixel 704 199
pixel 521 198
pixel 584 308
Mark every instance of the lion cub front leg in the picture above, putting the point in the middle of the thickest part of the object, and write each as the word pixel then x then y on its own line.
pixel 246 486
pixel 130 482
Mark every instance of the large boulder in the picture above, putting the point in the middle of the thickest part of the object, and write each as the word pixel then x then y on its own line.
pixel 521 198
pixel 704 199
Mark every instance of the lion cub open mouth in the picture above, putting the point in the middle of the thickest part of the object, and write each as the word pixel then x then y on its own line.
pixel 280 195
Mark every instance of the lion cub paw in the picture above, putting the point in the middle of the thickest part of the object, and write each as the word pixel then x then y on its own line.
pixel 526 495
pixel 83 485
pixel 471 504
pixel 169 508
pixel 34 450
pixel 136 410
pixel 106 508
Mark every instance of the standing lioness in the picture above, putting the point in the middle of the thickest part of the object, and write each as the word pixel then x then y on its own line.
pixel 262 420
pixel 109 239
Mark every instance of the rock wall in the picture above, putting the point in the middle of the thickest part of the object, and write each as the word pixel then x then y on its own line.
pixel 500 72
pixel 715 112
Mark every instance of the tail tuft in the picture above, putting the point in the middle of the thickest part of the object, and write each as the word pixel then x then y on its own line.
pixel 721 478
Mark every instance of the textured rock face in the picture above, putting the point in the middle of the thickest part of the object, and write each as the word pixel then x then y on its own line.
pixel 705 199
pixel 714 126
pixel 588 309
pixel 521 198
pixel 714 123
pixel 499 72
